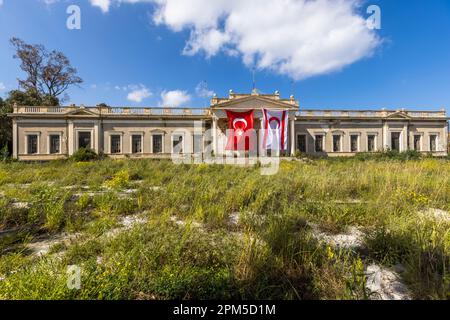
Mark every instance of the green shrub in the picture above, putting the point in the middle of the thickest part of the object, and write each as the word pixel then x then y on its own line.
pixel 48 208
pixel 299 154
pixel 4 153
pixel 389 155
pixel 84 154
pixel 120 180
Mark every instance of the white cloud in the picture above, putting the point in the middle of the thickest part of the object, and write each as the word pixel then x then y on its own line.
pixel 202 90
pixel 49 2
pixel 174 98
pixel 102 4
pixel 2 85
pixel 138 93
pixel 298 38
pixel 1 2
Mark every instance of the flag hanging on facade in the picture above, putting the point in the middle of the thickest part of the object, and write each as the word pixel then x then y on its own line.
pixel 275 125
pixel 238 124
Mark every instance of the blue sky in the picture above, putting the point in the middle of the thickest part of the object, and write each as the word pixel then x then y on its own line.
pixel 149 54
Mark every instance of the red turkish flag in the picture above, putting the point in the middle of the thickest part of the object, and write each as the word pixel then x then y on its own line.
pixel 238 124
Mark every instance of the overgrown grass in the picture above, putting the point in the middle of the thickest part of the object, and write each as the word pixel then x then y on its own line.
pixel 270 254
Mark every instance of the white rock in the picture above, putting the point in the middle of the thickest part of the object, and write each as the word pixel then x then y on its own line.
pixel 20 205
pixel 41 248
pixel 234 218
pixel 183 223
pixel 176 221
pixel 384 284
pixel 352 239
pixel 437 214
pixel 130 221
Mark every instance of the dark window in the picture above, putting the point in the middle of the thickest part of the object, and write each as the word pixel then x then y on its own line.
pixel 55 144
pixel 157 143
pixel 32 147
pixel 354 143
pixel 370 143
pixel 177 143
pixel 198 143
pixel 395 141
pixel 417 142
pixel 136 143
pixel 84 140
pixel 336 143
pixel 433 142
pixel 115 143
pixel 301 143
pixel 319 143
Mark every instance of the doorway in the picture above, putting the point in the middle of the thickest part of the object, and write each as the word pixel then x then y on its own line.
pixel 84 140
pixel 395 141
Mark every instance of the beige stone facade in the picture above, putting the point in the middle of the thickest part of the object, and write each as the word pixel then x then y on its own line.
pixel 47 133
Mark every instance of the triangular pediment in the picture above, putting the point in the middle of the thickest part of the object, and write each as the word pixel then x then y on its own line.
pixel 254 102
pixel 82 112
pixel 398 115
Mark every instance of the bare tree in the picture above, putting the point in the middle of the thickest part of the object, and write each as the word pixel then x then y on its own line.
pixel 48 73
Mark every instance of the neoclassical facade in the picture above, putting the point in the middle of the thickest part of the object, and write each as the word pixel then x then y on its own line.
pixel 48 133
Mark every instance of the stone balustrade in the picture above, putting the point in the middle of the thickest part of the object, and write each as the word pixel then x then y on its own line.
pixel 368 113
pixel 115 110
pixel 166 111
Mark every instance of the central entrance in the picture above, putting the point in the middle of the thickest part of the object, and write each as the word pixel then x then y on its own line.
pixel 84 140
pixel 395 141
pixel 271 125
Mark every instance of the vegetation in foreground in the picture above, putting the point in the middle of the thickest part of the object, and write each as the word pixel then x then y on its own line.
pixel 270 254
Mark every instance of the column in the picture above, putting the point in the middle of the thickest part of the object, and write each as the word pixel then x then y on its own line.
pixel 15 152
pixel 96 138
pixel 405 138
pixel 292 137
pixel 70 138
pixel 214 137
pixel 385 135
pixel 444 144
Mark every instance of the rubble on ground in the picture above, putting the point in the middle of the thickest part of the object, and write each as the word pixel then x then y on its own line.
pixel 234 218
pixel 41 248
pixel 20 205
pixel 437 214
pixel 385 284
pixel 352 239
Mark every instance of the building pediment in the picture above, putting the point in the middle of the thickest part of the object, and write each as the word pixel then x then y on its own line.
pixel 255 102
pixel 398 115
pixel 82 112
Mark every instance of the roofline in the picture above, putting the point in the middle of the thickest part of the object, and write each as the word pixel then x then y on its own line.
pixel 281 103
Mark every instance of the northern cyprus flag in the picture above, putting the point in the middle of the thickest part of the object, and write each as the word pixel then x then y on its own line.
pixel 275 125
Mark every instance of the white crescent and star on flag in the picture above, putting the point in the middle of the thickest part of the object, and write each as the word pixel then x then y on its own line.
pixel 239 125
pixel 275 124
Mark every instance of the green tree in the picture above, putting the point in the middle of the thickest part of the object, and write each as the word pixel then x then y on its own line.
pixel 5 125
pixel 48 76
pixel 49 73
pixel 19 98
pixel 30 98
